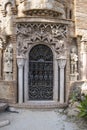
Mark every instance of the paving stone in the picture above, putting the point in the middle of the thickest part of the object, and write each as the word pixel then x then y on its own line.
pixel 4 123
pixel 37 120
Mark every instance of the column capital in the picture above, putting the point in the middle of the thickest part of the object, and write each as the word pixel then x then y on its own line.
pixel 20 61
pixel 61 62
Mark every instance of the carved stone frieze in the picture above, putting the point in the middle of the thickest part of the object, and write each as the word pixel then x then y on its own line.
pixel 8 62
pixel 52 34
pixel 43 12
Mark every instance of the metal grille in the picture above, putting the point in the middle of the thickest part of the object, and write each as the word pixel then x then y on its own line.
pixel 40 73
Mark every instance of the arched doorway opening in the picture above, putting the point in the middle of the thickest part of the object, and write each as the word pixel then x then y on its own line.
pixel 40 74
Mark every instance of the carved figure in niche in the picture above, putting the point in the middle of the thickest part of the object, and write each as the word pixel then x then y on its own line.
pixel 8 20
pixel 74 60
pixel 8 62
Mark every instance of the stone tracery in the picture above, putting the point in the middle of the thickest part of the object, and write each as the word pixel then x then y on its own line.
pixel 53 34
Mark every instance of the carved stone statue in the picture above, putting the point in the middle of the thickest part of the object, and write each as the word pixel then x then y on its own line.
pixel 74 60
pixel 8 20
pixel 8 61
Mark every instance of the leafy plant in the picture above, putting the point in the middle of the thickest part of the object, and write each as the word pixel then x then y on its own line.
pixel 83 108
pixel 73 97
pixel 75 94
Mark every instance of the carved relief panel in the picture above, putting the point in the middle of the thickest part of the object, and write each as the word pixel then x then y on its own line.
pixel 8 62
pixel 8 10
pixel 52 34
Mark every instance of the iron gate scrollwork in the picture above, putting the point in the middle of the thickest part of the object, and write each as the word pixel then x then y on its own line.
pixel 40 73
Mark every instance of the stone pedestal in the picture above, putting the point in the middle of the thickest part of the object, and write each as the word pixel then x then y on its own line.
pixel 74 77
pixel 20 63
pixel 61 63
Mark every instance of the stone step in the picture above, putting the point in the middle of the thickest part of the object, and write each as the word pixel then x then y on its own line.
pixel 3 106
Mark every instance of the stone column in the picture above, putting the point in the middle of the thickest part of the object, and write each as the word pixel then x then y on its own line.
pixel 83 54
pixel 20 63
pixel 0 63
pixel 84 70
pixel 0 60
pixel 61 63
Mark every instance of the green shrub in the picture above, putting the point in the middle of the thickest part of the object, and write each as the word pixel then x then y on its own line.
pixel 73 97
pixel 75 94
pixel 83 108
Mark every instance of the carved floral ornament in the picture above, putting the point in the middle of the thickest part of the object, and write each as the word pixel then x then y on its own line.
pixel 51 34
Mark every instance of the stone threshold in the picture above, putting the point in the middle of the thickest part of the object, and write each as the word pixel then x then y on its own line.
pixel 39 105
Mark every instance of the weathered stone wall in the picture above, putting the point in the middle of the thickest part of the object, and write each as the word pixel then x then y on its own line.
pixel 81 30
pixel 80 16
pixel 8 87
pixel 8 91
pixel 61 11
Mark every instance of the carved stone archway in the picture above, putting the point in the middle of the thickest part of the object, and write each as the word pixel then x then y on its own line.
pixel 52 35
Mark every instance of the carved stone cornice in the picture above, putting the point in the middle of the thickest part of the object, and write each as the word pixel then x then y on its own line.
pixel 44 8
pixel 51 34
pixel 42 12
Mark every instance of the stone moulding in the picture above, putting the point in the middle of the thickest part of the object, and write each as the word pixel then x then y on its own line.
pixel 42 12
pixel 46 7
pixel 31 33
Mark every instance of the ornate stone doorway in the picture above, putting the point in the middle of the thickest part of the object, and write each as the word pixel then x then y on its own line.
pixel 41 59
pixel 40 73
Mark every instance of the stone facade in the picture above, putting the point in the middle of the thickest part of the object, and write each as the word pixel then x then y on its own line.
pixel 57 24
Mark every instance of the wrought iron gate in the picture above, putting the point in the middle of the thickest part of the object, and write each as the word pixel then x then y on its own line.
pixel 40 73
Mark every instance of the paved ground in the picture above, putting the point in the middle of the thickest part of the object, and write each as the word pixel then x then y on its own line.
pixel 37 120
